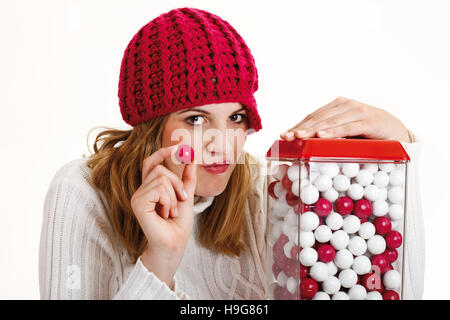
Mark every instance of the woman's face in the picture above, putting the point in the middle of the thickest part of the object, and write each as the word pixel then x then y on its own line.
pixel 217 133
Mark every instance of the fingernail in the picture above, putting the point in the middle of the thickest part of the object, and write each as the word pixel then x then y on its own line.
pixel 322 133
pixel 287 134
pixel 185 195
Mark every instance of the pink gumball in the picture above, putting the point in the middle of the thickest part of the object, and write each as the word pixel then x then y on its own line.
pixel 271 188
pixel 287 184
pixel 363 208
pixel 185 154
pixel 391 254
pixel 323 207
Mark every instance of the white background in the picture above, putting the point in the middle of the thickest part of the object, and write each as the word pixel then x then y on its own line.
pixel 59 69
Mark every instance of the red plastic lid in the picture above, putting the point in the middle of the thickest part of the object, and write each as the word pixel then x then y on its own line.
pixel 312 148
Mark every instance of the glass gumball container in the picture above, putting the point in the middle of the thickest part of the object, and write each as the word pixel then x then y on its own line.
pixel 336 211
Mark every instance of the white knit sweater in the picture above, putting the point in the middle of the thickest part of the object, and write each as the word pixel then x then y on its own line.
pixel 81 258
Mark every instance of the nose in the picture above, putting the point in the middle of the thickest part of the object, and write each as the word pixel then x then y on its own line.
pixel 219 146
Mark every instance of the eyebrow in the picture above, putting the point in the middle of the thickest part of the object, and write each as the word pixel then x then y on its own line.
pixel 203 111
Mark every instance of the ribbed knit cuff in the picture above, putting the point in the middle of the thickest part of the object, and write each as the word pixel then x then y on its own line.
pixel 143 284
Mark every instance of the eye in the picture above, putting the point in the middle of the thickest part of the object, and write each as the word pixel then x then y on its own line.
pixel 192 120
pixel 240 117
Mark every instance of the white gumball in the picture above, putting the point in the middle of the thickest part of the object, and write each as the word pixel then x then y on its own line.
pixel 329 169
pixel 382 194
pixel 392 279
pixel 295 188
pixel 309 194
pixel 374 295
pixel 307 239
pixel 303 172
pixel 293 235
pixel 355 191
pixel 395 195
pixel 371 192
pixel 380 208
pixel 331 285
pixel 323 183
pixel 279 171
pixel 376 244
pixel 361 265
pixel 351 224
pixel 357 292
pixel 341 295
pixel 381 179
pixel 366 230
pixel 323 233
pixel 364 177
pixel 348 278
pixel 357 246
pixel 291 285
pixel 386 167
pixel 371 167
pixel 343 259
pixel 279 190
pixel 279 209
pixel 334 221
pixel 286 228
pixel 350 169
pixel 288 248
pixel 320 295
pixel 396 177
pixel 291 217
pixel 331 195
pixel 332 268
pixel 293 172
pixel 276 229
pixel 308 257
pixel 309 221
pixel 282 279
pixel 319 271
pixel 339 239
pixel 341 183
pixel 395 212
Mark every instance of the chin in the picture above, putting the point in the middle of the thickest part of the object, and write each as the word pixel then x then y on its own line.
pixel 210 191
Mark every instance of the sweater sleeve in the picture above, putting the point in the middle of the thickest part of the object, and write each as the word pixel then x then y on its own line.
pixel 77 257
pixel 414 234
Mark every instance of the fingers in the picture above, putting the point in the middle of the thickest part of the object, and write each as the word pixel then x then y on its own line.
pixel 336 113
pixel 321 126
pixel 156 158
pixel 350 129
pixel 190 178
pixel 176 182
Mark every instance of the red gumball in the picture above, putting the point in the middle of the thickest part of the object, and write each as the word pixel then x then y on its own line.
pixel 185 154
pixel 286 295
pixel 326 253
pixel 382 225
pixel 305 207
pixel 390 295
pixel 296 208
pixel 372 282
pixel 304 271
pixel 308 288
pixel 363 220
pixel 276 269
pixel 270 189
pixel 277 292
pixel 294 252
pixel 393 240
pixel 323 207
pixel 291 198
pixel 391 254
pixel 343 205
pixel 381 262
pixel 363 208
pixel 287 184
pixel 290 268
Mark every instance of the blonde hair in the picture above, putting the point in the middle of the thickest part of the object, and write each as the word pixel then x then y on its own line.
pixel 116 171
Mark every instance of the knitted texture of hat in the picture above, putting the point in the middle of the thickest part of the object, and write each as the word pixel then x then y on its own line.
pixel 184 58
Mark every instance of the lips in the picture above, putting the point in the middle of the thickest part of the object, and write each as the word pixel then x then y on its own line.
pixel 216 168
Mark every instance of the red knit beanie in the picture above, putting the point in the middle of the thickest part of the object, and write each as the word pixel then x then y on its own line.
pixel 184 58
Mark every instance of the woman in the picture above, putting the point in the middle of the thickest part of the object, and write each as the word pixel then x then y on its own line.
pixel 132 222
